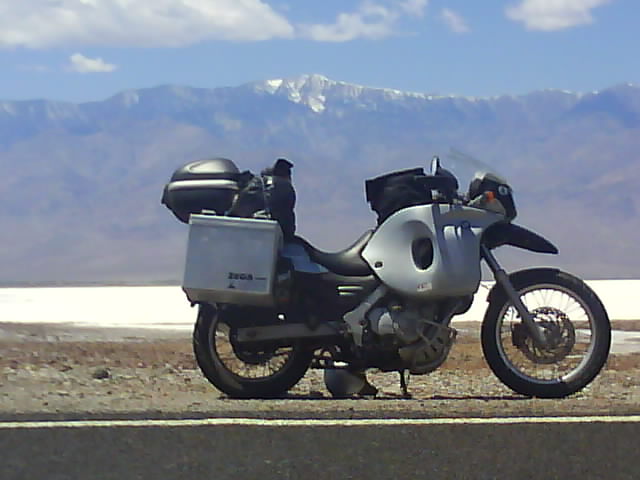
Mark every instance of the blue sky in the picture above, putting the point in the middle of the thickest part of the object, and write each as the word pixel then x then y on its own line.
pixel 82 50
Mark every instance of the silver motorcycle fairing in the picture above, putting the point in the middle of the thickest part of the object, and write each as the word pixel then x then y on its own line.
pixel 455 232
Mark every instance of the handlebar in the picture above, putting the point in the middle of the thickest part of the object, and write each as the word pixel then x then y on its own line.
pixel 447 186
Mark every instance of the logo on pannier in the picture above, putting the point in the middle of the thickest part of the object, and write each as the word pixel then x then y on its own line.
pixel 240 276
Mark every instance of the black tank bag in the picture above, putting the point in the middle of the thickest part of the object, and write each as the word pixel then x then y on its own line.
pixel 392 192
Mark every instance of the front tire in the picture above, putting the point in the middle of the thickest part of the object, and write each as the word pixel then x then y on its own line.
pixel 574 321
pixel 241 373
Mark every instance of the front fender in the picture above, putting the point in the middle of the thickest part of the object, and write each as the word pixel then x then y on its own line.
pixel 509 234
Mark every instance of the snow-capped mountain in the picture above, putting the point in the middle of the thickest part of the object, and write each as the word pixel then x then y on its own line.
pixel 319 92
pixel 82 181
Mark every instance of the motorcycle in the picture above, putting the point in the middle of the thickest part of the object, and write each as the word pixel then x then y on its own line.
pixel 387 301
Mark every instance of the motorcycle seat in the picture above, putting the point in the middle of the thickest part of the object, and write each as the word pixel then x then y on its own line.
pixel 347 262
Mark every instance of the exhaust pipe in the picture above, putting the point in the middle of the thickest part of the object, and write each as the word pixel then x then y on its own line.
pixel 290 331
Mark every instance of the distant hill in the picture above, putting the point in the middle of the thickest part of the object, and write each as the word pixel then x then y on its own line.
pixel 82 182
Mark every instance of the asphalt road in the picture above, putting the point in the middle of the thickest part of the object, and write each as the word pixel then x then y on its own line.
pixel 583 448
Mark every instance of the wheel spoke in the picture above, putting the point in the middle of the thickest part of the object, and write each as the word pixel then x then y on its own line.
pixel 249 364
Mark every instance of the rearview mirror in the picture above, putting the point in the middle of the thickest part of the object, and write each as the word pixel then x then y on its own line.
pixel 435 165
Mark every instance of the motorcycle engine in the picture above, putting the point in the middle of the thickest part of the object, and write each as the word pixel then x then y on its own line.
pixel 423 344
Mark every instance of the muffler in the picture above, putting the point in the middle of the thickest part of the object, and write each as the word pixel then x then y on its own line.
pixel 289 331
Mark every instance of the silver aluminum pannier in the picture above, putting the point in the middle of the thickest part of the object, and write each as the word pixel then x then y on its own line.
pixel 231 260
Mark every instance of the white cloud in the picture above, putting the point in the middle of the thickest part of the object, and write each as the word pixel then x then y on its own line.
pixel 81 64
pixel 454 21
pixel 414 7
pixel 553 14
pixel 176 23
pixel 145 23
pixel 370 21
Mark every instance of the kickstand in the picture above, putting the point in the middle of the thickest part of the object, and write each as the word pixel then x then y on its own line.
pixel 403 384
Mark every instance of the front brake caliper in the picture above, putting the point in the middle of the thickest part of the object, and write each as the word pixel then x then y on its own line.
pixel 519 335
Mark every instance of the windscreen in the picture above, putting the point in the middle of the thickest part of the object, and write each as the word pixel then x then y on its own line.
pixel 466 168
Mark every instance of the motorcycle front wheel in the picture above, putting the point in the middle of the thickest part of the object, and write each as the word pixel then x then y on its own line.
pixel 574 323
pixel 261 372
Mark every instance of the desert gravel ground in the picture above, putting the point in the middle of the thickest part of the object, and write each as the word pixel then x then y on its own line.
pixel 56 372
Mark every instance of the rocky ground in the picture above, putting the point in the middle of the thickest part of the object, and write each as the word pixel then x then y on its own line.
pixel 51 371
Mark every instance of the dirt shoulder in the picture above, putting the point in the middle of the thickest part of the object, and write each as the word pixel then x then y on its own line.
pixel 63 372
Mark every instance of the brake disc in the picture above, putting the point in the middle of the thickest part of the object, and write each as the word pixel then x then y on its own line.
pixel 558 330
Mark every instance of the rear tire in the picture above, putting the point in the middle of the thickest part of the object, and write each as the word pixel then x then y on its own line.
pixel 571 315
pixel 227 368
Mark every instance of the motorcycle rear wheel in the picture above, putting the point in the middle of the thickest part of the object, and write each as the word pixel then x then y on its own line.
pixel 573 319
pixel 239 373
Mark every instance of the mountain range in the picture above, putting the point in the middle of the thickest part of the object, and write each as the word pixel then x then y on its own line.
pixel 82 184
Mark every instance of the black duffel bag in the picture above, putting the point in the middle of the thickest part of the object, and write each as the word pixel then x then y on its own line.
pixel 269 195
